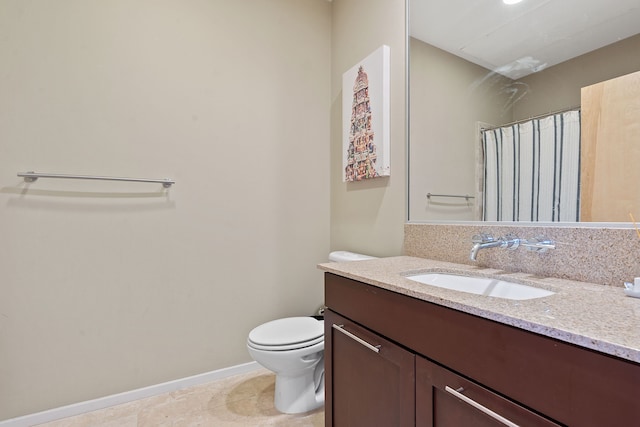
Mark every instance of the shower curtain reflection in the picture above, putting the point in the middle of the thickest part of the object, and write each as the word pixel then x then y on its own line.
pixel 532 170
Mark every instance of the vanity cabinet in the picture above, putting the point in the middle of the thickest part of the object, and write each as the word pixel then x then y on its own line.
pixel 428 353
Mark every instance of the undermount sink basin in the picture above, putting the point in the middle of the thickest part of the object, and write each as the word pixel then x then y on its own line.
pixel 481 286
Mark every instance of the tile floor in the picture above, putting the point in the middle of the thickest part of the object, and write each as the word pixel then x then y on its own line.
pixel 241 400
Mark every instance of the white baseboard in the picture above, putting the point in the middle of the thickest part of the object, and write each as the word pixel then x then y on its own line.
pixel 127 396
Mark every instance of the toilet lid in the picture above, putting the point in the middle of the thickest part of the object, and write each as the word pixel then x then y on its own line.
pixel 287 331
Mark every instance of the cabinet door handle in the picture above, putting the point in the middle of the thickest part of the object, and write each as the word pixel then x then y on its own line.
pixel 371 347
pixel 480 407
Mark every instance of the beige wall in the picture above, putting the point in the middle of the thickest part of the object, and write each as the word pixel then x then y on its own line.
pixel 368 216
pixel 107 287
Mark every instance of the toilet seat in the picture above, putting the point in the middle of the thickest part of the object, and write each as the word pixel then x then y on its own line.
pixel 287 334
pixel 285 347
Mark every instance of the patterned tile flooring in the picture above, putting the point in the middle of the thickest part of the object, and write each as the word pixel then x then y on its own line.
pixel 241 400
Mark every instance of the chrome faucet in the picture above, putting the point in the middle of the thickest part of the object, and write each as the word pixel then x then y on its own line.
pixel 486 241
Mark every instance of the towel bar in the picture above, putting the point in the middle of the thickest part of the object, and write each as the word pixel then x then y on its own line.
pixel 466 196
pixel 32 176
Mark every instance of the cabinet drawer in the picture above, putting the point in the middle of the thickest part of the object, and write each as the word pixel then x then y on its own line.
pixel 444 399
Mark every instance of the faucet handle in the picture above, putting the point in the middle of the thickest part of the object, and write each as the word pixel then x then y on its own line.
pixel 539 244
pixel 483 238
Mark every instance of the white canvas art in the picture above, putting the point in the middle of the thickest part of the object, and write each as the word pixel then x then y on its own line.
pixel 365 118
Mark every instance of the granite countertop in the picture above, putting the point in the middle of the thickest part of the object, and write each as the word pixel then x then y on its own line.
pixel 593 316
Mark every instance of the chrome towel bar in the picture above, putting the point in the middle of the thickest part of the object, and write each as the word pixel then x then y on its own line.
pixel 466 196
pixel 32 176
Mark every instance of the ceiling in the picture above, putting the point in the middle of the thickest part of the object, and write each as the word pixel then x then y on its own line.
pixel 520 39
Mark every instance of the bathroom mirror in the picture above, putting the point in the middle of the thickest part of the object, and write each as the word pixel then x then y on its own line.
pixel 482 64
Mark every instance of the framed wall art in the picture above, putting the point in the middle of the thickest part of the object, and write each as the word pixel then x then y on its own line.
pixel 365 118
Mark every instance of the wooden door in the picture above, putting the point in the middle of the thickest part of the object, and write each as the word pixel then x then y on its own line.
pixel 370 381
pixel 610 154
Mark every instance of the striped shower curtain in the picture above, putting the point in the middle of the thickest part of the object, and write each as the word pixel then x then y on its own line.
pixel 532 170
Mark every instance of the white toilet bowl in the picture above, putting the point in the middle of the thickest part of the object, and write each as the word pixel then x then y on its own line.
pixel 293 348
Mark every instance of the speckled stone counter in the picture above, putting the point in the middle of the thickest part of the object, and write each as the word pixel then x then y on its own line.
pixel 589 315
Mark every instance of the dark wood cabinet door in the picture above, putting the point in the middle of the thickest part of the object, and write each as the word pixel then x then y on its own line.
pixel 444 399
pixel 369 380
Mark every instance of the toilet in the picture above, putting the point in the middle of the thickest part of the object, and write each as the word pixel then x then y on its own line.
pixel 293 348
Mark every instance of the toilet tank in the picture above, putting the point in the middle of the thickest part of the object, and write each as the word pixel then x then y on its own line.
pixel 342 256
